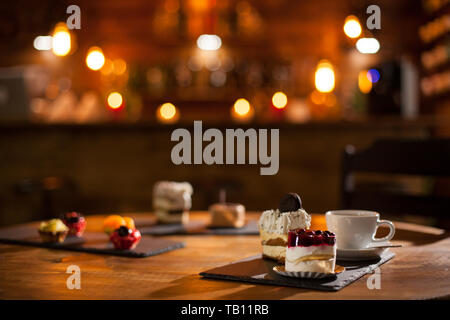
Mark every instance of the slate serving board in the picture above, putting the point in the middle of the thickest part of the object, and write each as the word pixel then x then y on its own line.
pixel 198 228
pixel 257 270
pixel 92 242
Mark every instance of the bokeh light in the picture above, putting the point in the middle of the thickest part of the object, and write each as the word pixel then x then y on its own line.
pixel 95 58
pixel 279 100
pixel 107 68
pixel 324 77
pixel 352 27
pixel 241 107
pixel 43 43
pixel 167 113
pixel 209 42
pixel 317 97
pixel 119 66
pixel 373 75
pixel 368 45
pixel 115 100
pixel 364 83
pixel 61 40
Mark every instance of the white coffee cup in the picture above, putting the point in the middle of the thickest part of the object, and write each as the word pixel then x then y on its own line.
pixel 356 229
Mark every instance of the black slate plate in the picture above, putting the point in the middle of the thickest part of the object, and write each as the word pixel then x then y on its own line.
pixel 257 270
pixel 92 242
pixel 199 228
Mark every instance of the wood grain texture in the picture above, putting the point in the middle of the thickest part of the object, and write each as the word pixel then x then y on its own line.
pixel 419 271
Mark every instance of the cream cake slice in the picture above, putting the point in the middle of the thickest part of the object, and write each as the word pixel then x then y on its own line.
pixel 172 201
pixel 274 226
pixel 311 251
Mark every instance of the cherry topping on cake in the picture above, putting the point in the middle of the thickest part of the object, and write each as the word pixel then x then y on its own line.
pixel 306 238
pixel 329 239
pixel 290 202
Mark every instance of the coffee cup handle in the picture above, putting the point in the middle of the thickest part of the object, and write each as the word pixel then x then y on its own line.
pixel 391 231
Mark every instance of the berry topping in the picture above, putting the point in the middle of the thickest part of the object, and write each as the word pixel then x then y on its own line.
pixel 73 219
pixel 123 231
pixel 330 239
pixel 318 240
pixel 306 238
pixel 290 202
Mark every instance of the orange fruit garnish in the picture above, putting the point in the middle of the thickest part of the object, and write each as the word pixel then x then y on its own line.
pixel 112 223
pixel 129 222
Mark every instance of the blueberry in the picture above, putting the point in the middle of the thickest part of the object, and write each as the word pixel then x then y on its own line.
pixel 318 232
pixel 73 219
pixel 123 231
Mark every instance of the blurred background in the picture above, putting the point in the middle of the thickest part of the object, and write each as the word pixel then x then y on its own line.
pixel 86 114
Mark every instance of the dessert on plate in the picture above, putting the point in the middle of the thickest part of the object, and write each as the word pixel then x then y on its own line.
pixel 172 201
pixel 53 231
pixel 113 222
pixel 125 238
pixel 75 222
pixel 274 226
pixel 311 251
pixel 227 215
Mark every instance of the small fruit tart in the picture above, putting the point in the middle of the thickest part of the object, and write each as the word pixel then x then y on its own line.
pixel 75 222
pixel 53 231
pixel 125 238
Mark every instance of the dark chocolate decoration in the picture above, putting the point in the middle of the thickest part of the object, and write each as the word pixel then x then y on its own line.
pixel 290 202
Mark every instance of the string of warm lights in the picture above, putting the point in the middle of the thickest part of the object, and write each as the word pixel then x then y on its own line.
pixel 60 42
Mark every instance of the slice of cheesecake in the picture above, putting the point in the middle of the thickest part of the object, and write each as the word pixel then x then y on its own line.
pixel 311 251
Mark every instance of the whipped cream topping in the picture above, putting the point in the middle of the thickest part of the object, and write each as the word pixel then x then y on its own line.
pixel 274 221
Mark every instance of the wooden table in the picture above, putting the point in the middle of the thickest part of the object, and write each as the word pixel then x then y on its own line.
pixel 421 270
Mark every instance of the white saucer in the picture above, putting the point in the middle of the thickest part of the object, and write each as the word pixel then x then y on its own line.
pixel 362 254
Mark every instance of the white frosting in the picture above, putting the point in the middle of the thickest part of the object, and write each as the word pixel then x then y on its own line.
pixel 274 221
pixel 169 195
pixel 323 258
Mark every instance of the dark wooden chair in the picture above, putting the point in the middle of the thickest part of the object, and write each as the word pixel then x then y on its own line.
pixel 428 158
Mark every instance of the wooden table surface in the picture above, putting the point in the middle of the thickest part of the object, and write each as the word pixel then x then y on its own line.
pixel 421 270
